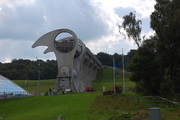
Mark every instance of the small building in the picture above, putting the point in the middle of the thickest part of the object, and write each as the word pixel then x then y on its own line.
pixel 9 89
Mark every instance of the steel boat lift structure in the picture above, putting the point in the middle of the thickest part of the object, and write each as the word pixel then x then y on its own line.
pixel 77 65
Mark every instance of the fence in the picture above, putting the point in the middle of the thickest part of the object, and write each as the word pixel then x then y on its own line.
pixel 35 84
pixel 9 95
pixel 158 101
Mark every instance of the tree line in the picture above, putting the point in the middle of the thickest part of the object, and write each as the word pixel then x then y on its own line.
pixel 20 69
pixel 23 69
pixel 156 65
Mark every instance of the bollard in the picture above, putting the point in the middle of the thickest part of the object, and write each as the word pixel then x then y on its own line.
pixel 154 114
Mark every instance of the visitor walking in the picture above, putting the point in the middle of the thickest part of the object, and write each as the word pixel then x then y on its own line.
pixel 54 91
pixel 50 91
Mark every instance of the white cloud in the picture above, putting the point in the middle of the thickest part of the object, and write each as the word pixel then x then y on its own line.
pixel 142 7
pixel 110 44
pixel 150 33
pixel 15 3
pixel 94 21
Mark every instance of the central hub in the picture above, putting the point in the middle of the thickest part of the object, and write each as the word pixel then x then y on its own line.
pixel 65 45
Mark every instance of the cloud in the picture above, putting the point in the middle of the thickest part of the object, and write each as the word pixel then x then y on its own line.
pixel 19 21
pixel 142 7
pixel 111 45
pixel 95 22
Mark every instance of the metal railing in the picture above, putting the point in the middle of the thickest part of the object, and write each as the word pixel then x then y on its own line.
pixel 35 84
pixel 9 95
pixel 158 101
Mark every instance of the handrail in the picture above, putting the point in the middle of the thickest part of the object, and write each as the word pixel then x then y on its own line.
pixel 169 101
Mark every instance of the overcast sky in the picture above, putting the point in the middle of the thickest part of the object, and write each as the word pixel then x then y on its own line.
pixel 95 22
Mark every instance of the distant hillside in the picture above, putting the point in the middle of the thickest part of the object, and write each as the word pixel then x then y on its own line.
pixel 24 69
pixel 107 74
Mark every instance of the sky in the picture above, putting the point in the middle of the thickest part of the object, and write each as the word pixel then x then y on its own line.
pixel 95 22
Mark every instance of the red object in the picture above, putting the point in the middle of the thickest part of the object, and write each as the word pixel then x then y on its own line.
pixel 87 88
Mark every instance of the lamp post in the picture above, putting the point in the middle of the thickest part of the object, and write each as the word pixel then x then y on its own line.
pixel 39 76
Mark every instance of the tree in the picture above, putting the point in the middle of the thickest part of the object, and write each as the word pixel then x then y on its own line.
pixel 132 28
pixel 26 69
pixel 118 60
pixel 105 58
pixel 165 20
pixel 144 67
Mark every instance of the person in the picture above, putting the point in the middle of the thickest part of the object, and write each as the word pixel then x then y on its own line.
pixel 54 91
pixel 50 91
pixel 104 89
pixel 46 94
pixel 63 90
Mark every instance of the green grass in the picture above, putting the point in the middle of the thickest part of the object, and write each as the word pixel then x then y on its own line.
pixel 70 106
pixel 170 114
pixel 97 85
pixel 105 78
pixel 80 106
pixel 32 85
pixel 105 107
pixel 107 74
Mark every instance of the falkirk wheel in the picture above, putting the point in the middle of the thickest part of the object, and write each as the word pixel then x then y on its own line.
pixel 77 66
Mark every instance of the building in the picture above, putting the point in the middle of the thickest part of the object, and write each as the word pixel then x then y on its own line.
pixel 9 89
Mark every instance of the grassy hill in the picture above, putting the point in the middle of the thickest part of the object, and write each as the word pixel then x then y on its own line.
pixel 107 74
pixel 70 106
pixel 80 106
pixel 105 78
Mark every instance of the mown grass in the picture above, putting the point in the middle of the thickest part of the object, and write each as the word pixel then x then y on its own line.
pixel 107 74
pixel 105 78
pixel 81 106
pixel 32 85
pixel 69 106
pixel 98 85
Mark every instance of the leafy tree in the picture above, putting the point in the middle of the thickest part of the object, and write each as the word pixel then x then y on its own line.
pixel 156 67
pixel 129 58
pixel 132 28
pixel 26 69
pixel 165 20
pixel 105 58
pixel 144 67
pixel 118 60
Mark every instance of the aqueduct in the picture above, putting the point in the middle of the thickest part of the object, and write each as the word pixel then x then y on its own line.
pixel 77 66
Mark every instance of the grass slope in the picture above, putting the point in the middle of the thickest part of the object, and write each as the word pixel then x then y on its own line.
pixel 80 106
pixel 107 74
pixel 70 106
pixel 105 78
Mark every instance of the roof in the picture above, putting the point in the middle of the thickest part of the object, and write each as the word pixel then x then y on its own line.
pixel 9 87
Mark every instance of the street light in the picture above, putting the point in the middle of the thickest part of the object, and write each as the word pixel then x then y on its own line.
pixel 39 76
